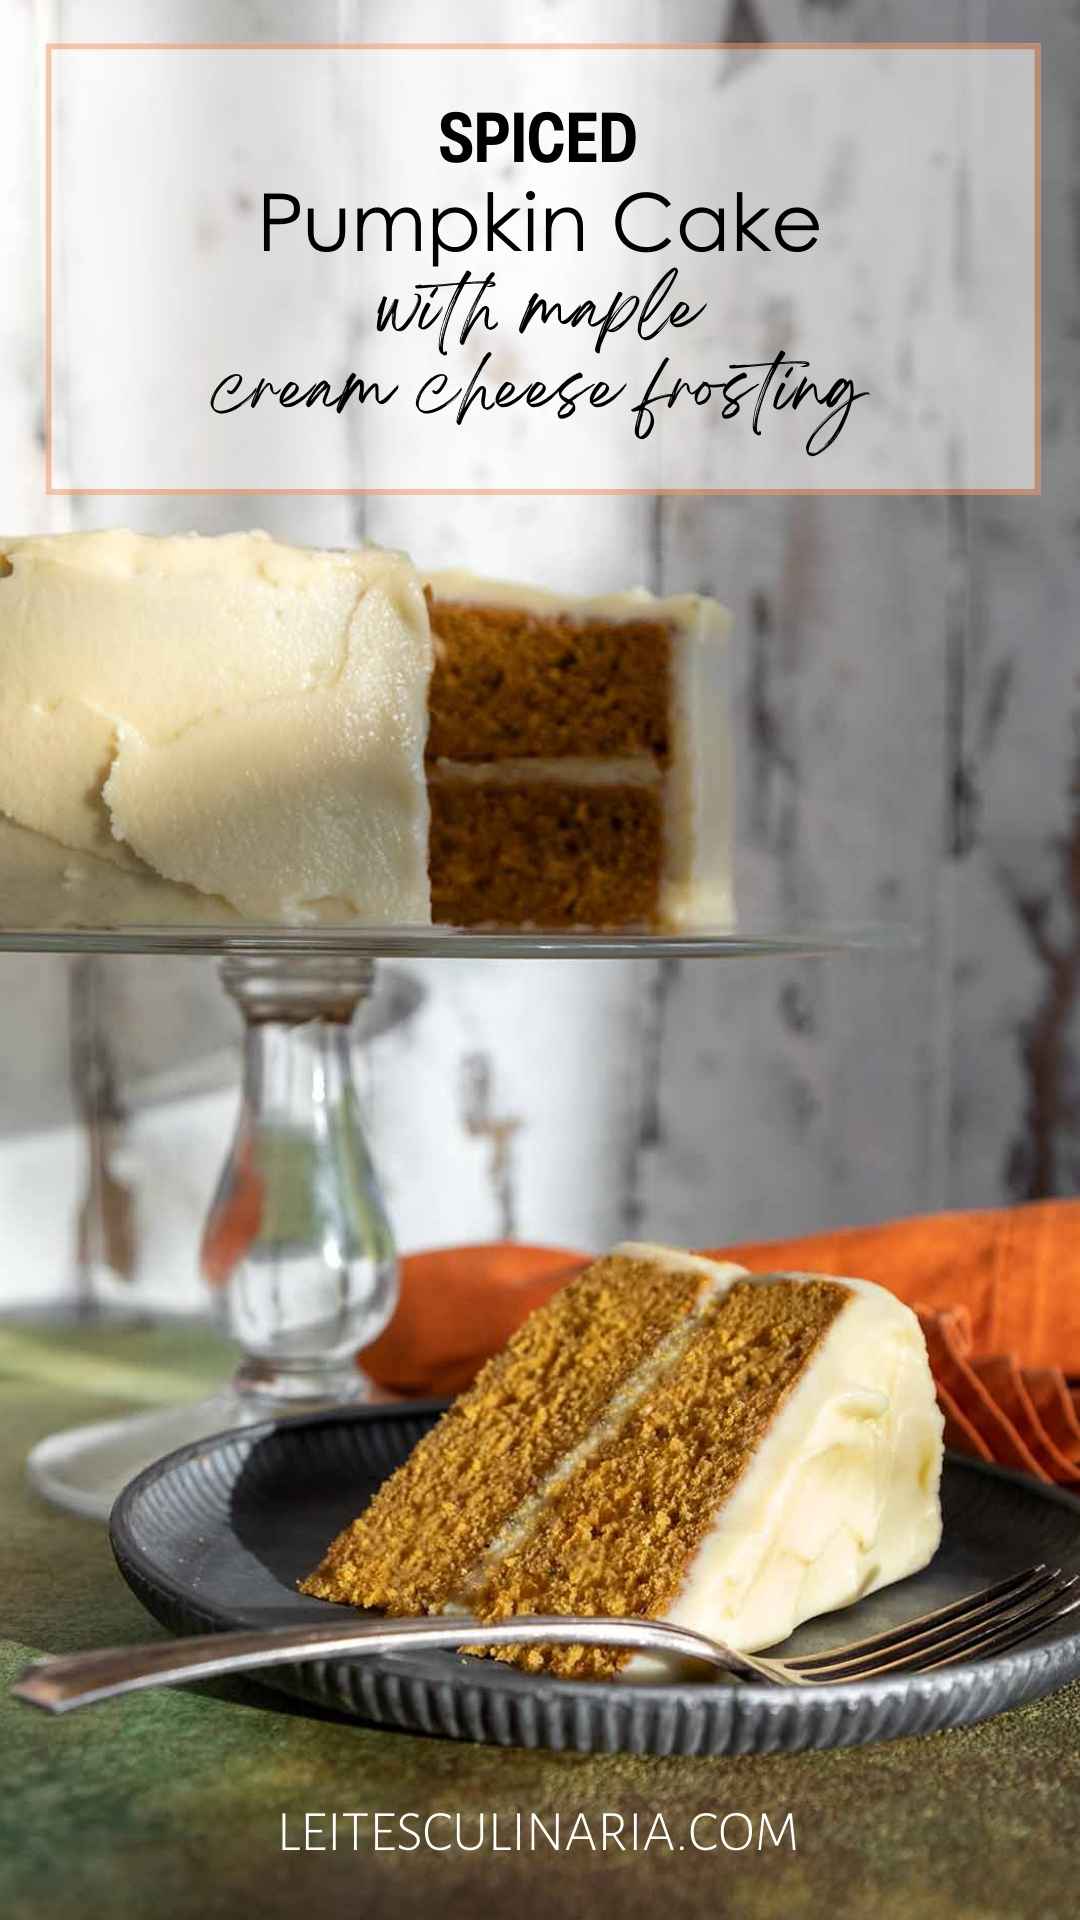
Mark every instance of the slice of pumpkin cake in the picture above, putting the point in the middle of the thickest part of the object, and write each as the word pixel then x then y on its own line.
pixel 669 1438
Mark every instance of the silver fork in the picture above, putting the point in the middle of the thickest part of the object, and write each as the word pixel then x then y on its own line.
pixel 982 1624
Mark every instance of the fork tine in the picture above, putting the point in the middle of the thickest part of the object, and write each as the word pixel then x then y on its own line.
pixel 1003 1638
pixel 891 1639
pixel 1018 1620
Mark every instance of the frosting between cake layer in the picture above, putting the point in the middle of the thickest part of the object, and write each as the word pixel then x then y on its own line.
pixel 637 771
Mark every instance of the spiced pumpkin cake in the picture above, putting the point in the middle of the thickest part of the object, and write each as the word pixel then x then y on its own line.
pixel 669 1438
pixel 242 729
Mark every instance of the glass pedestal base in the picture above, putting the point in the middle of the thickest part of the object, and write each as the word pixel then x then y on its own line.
pixel 84 1468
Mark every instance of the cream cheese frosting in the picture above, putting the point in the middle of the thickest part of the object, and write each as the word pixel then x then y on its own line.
pixel 229 715
pixel 842 1495
pixel 50 888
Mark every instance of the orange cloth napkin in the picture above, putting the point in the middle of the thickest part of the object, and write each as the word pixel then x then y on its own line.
pixel 997 1292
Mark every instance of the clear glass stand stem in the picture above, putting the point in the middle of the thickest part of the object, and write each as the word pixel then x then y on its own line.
pixel 297 1241
pixel 297 1247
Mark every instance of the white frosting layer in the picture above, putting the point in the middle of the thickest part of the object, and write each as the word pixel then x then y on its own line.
pixel 50 888
pixel 231 715
pixel 697 888
pixel 629 603
pixel 719 1275
pixel 699 883
pixel 842 1495
pixel 638 771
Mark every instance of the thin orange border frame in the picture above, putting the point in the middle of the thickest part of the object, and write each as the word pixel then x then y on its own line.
pixel 552 46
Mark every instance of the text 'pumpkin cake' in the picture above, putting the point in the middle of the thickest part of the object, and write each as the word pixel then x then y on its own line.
pixel 668 1438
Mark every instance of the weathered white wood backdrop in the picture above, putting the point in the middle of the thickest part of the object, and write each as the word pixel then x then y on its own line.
pixel 909 745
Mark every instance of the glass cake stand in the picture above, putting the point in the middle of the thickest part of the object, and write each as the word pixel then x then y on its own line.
pixel 297 1247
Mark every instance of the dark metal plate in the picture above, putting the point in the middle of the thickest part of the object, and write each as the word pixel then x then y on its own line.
pixel 217 1534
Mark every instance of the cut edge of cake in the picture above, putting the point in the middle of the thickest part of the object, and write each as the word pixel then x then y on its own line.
pixel 660 774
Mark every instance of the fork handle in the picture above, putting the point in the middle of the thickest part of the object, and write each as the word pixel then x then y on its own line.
pixel 80 1679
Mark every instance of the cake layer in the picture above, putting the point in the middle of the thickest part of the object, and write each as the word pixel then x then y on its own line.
pixel 512 681
pixel 517 851
pixel 531 1405
pixel 240 717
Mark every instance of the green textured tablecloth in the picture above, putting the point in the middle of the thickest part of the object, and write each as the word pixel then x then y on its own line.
pixel 172 1804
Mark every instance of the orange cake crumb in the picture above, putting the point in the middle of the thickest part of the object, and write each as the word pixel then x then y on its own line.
pixel 548 854
pixel 428 1524
pixel 509 682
